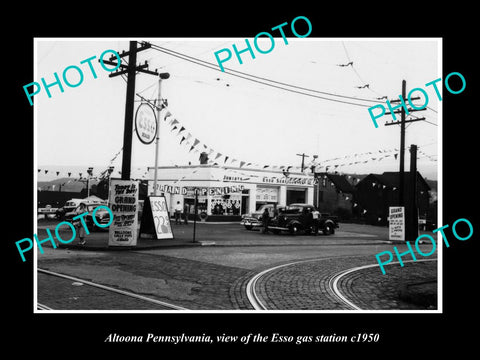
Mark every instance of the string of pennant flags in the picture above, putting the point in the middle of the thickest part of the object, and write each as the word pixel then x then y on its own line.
pixel 195 145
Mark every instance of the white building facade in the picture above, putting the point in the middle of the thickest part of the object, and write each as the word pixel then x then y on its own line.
pixel 229 190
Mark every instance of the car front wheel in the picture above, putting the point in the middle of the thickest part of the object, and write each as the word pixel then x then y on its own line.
pixel 328 230
pixel 293 229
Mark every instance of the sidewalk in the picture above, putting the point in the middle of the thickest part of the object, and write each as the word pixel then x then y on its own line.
pixel 218 234
pixel 99 241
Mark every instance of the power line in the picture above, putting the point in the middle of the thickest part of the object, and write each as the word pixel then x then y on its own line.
pixel 263 78
pixel 356 72
pixel 264 81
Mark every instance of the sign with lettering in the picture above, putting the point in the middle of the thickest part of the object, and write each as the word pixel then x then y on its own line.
pixel 158 206
pixel 306 180
pixel 145 123
pixel 123 201
pixel 155 218
pixel 396 223
pixel 202 191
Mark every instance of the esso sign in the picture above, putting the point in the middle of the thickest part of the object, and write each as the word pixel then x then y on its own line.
pixel 145 123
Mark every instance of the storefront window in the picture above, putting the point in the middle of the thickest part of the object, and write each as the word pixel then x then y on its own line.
pixel 226 205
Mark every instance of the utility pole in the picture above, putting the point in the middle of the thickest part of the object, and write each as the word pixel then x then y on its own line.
pixel 411 217
pixel 131 70
pixel 401 187
pixel 411 230
pixel 303 160
pixel 90 173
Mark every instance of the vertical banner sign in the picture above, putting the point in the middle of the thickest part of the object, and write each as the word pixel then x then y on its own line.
pixel 397 223
pixel 123 201
pixel 160 216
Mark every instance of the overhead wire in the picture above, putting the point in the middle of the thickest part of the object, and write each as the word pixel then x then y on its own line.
pixel 265 81
pixel 356 72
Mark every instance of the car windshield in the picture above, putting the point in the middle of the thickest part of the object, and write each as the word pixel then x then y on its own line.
pixel 263 207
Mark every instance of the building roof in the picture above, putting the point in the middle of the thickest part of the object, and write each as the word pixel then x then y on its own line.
pixel 392 178
pixel 341 183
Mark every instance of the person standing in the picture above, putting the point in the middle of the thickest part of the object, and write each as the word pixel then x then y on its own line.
pixel 265 220
pixel 178 213
pixel 78 224
pixel 186 211
pixel 315 220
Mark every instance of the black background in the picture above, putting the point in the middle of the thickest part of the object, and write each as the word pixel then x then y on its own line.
pixel 405 334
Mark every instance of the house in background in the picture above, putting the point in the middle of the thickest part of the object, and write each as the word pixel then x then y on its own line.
pixel 377 192
pixel 334 195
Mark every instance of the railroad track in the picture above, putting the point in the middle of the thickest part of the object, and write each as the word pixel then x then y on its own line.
pixel 333 288
pixel 161 305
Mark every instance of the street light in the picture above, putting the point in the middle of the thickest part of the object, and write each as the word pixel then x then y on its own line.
pixel 90 172
pixel 162 76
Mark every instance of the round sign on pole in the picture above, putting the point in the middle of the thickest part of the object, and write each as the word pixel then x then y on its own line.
pixel 145 123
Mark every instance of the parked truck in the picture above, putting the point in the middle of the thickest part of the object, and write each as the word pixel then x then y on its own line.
pixel 298 218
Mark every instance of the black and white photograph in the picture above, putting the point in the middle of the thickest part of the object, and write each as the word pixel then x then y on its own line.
pixel 271 185
pixel 280 191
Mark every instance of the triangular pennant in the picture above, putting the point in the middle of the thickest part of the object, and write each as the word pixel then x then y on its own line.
pixel 183 139
pixel 167 114
pixel 218 155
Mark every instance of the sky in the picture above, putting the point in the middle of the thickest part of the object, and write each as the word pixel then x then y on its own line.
pixel 245 120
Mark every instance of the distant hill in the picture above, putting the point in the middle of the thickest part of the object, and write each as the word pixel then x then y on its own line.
pixel 64 184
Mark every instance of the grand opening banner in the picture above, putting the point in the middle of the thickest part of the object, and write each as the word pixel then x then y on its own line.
pixel 123 201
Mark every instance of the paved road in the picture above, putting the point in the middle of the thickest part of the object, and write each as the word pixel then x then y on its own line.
pixel 214 277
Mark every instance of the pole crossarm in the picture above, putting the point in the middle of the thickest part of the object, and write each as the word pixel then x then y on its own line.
pixel 400 111
pixel 406 121
pixel 143 46
pixel 398 100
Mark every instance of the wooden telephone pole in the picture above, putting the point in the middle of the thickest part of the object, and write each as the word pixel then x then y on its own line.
pixel 401 188
pixel 411 216
pixel 303 160
pixel 131 70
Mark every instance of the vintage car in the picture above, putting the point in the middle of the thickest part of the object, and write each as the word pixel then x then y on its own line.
pixel 254 220
pixel 297 218
pixel 102 216
pixel 69 206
